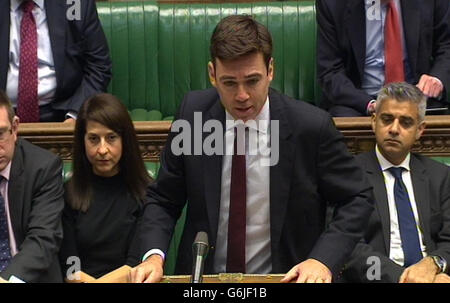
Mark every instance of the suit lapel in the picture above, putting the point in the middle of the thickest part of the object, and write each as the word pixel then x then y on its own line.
pixel 4 38
pixel 56 19
pixel 280 174
pixel 355 25
pixel 411 29
pixel 15 190
pixel 212 173
pixel 376 178
pixel 420 186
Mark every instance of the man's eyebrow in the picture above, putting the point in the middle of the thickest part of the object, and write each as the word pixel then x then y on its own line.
pixel 406 118
pixel 254 75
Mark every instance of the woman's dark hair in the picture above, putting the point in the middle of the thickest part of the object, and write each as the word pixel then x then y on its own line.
pixel 109 111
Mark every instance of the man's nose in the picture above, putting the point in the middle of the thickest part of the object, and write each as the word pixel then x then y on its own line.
pixel 395 128
pixel 242 94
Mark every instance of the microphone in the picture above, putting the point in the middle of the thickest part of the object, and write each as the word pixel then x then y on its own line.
pixel 199 252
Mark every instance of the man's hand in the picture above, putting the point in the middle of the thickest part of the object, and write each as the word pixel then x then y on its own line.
pixel 422 272
pixel 430 86
pixel 442 278
pixel 70 120
pixel 371 107
pixel 149 271
pixel 309 271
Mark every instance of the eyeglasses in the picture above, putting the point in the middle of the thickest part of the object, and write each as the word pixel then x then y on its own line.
pixel 5 133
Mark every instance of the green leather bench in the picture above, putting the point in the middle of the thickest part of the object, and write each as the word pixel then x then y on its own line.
pixel 160 51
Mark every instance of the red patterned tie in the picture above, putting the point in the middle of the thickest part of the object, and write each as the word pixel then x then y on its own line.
pixel 238 205
pixel 27 101
pixel 393 49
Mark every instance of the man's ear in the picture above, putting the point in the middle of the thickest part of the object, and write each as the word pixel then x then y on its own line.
pixel 270 71
pixel 420 130
pixel 15 124
pixel 212 73
pixel 373 121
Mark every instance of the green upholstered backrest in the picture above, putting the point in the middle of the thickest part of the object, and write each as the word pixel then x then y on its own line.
pixel 160 51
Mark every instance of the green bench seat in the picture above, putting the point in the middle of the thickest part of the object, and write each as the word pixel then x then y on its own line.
pixel 160 51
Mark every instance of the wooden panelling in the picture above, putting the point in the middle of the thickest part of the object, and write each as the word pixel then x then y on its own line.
pixel 58 137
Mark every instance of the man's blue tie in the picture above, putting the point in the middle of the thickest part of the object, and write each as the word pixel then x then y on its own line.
pixel 406 220
pixel 5 251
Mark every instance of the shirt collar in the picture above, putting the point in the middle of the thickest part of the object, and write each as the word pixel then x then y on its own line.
pixel 16 3
pixel 262 119
pixel 385 164
pixel 6 171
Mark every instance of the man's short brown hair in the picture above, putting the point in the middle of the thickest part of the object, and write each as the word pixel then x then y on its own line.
pixel 4 102
pixel 239 35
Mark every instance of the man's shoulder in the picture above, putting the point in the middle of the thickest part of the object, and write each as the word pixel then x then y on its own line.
pixel 430 164
pixel 299 113
pixel 365 158
pixel 38 155
pixel 205 94
pixel 333 6
pixel 365 155
pixel 201 100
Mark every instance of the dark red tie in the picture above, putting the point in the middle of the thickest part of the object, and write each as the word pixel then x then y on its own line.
pixel 393 49
pixel 238 205
pixel 27 99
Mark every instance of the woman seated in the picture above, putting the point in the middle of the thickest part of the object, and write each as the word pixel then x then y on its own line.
pixel 105 194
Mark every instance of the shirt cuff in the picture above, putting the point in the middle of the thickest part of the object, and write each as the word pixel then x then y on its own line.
pixel 440 95
pixel 154 251
pixel 71 114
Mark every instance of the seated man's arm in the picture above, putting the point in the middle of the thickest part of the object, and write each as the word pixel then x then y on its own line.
pixel 440 68
pixel 368 265
pixel 44 232
pixel 337 87
pixel 426 270
pixel 164 203
pixel 95 53
pixel 342 182
pixel 443 234
pixel 68 254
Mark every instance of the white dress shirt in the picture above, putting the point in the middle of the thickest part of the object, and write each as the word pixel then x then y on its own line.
pixel 46 66
pixel 257 240
pixel 395 250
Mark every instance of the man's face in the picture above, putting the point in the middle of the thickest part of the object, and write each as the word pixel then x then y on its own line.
pixel 8 137
pixel 397 127
pixel 243 84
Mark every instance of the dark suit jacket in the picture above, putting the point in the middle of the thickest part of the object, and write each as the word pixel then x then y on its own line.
pixel 80 52
pixel 314 167
pixel 431 183
pixel 341 47
pixel 35 194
